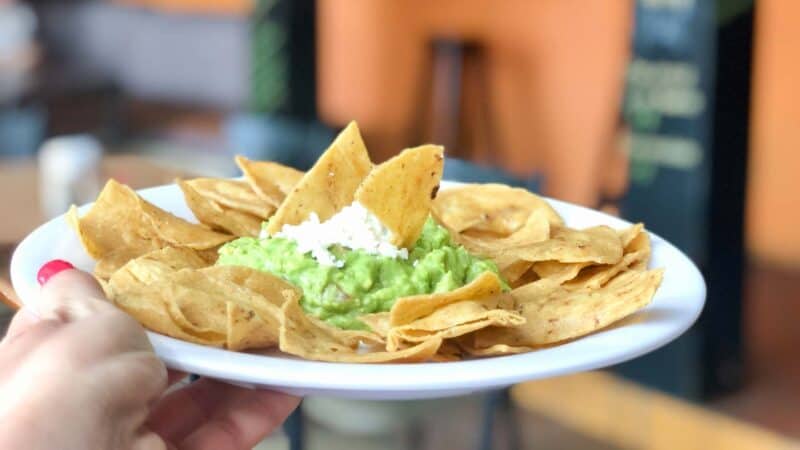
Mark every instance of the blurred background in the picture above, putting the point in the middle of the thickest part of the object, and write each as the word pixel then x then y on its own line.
pixel 683 114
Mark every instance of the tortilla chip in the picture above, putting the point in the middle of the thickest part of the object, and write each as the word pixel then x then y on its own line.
pixel 155 266
pixel 314 339
pixel 516 271
pixel 449 351
pixel 271 181
pixel 235 195
pixel 216 216
pixel 274 289
pixel 596 276
pixel 330 185
pixel 640 243
pixel 535 229
pixel 121 226
pixel 497 350
pixel 599 245
pixel 453 320
pixel 194 308
pixel 403 205
pixel 178 232
pixel 558 271
pixel 246 330
pixel 467 345
pixel 350 338
pixel 494 208
pixel 377 322
pixel 114 228
pixel 150 269
pixel 555 314
pixel 629 234
pixel 408 309
pixel 142 288
pixel 500 350
pixel 146 305
pixel 208 295
pixel 214 305
pixel 636 257
pixel 110 263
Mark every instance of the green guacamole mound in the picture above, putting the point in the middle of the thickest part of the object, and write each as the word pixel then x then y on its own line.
pixel 366 283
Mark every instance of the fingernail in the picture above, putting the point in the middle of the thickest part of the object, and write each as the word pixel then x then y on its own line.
pixel 51 268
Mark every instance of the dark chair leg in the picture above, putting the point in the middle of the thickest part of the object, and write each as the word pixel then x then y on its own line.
pixel 497 404
pixel 490 403
pixel 293 427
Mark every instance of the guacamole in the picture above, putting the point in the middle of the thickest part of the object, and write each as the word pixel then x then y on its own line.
pixel 366 283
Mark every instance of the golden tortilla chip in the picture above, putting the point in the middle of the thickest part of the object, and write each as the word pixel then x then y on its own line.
pixel 555 314
pixel 636 257
pixel 316 340
pixel 234 195
pixel 449 351
pixel 330 185
pixel 275 289
pixel 558 271
pixel 211 213
pixel 535 229
pixel 115 225
pixel 493 208
pixel 526 278
pixel 178 232
pixel 211 295
pixel 210 255
pixel 269 180
pixel 516 271
pixel 408 309
pixel 599 245
pixel 499 350
pixel 596 276
pixel 158 264
pixel 153 268
pixel 145 304
pixel 142 288
pixel 399 191
pixel 629 234
pixel 215 305
pixel 377 322
pixel 246 330
pixel 121 226
pixel 466 344
pixel 640 243
pixel 110 263
pixel 193 307
pixel 453 320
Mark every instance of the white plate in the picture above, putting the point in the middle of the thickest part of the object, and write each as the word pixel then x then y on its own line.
pixel 676 305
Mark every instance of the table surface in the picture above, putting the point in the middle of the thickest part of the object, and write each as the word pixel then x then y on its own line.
pixel 19 188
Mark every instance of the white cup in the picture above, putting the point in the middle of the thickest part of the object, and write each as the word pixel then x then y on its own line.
pixel 69 172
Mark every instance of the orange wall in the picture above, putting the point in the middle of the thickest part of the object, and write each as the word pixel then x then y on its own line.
pixel 773 216
pixel 555 76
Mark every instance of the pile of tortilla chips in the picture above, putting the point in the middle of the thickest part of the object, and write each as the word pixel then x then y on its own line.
pixel 565 282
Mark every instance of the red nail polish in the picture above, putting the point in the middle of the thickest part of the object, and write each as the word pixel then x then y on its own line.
pixel 51 268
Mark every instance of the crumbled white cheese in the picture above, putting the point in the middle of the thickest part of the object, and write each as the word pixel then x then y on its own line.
pixel 353 227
